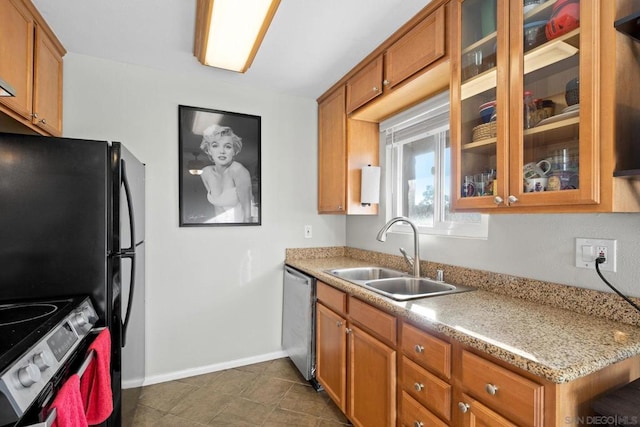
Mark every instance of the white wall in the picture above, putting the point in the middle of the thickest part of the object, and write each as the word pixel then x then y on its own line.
pixel 213 293
pixel 534 246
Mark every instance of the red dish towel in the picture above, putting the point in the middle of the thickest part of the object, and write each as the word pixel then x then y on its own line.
pixel 68 405
pixel 95 384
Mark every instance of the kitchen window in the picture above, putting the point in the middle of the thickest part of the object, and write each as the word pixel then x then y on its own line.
pixel 418 182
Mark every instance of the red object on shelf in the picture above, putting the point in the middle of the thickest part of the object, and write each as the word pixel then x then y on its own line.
pixel 565 17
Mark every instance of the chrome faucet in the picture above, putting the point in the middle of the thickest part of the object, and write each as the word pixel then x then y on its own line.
pixel 415 261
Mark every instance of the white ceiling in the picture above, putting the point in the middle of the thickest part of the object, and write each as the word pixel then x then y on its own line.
pixel 310 45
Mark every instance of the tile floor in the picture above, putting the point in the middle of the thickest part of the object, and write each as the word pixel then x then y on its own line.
pixel 269 394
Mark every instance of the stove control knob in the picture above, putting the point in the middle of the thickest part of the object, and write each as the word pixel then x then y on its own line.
pixel 80 320
pixel 29 375
pixel 43 360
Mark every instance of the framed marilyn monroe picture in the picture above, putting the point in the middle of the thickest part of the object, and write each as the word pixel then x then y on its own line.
pixel 219 154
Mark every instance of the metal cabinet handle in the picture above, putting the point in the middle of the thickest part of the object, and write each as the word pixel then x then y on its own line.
pixel 491 389
pixel 338 323
pixel 498 200
pixel 418 348
pixel 375 88
pixel 464 407
pixel 339 207
pixel 418 386
pixel 512 199
pixel 418 424
pixel 43 121
pixel 348 330
pixel 386 82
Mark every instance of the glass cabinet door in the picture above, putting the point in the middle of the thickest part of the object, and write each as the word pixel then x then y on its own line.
pixel 481 167
pixel 551 143
pixel 526 128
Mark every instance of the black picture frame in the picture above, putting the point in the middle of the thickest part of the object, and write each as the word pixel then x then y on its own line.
pixel 214 190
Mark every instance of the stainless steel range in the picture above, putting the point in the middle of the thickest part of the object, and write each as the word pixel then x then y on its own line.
pixel 41 344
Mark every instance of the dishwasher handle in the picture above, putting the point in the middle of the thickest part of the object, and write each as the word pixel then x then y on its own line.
pixel 298 277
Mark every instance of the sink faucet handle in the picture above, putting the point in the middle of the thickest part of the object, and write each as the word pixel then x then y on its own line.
pixel 406 256
pixel 439 275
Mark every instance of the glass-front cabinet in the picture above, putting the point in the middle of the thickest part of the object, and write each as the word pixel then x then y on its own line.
pixel 523 123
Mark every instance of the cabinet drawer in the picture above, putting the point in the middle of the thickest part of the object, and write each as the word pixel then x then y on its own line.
pixel 375 320
pixel 413 414
pixel 506 392
pixel 426 388
pixel 331 297
pixel 428 351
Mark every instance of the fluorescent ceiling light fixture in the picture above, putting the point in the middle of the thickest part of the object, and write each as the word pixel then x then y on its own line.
pixel 6 89
pixel 229 32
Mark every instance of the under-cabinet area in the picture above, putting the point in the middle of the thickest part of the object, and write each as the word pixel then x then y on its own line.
pixel 465 359
pixel 542 104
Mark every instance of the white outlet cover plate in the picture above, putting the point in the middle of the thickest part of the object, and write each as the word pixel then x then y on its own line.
pixel 609 265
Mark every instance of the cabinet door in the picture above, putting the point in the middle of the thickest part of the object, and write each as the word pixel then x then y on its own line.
pixel 372 381
pixel 421 46
pixel 332 154
pixel 525 128
pixel 331 355
pixel 475 414
pixel 47 99
pixel 479 103
pixel 558 130
pixel 16 51
pixel 365 85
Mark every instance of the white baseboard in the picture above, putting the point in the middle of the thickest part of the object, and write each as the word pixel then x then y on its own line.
pixel 156 379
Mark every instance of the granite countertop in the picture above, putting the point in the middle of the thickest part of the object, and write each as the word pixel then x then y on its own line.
pixel 554 343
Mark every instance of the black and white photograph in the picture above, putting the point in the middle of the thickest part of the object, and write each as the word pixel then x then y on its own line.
pixel 219 167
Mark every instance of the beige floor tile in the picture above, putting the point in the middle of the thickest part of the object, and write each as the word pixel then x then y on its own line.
pixel 271 393
pixel 282 417
pixel 232 381
pixel 201 406
pixel 242 412
pixel 166 395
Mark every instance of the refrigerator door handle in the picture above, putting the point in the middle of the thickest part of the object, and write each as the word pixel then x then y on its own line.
pixel 127 317
pixel 132 223
pixel 129 252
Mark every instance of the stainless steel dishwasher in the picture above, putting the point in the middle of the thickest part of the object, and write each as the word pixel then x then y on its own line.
pixel 299 322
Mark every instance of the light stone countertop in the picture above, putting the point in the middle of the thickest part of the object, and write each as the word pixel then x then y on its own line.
pixel 554 343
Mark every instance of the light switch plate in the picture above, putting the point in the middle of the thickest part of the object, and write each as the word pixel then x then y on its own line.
pixel 587 250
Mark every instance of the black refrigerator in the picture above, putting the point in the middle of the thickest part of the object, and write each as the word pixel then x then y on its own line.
pixel 72 223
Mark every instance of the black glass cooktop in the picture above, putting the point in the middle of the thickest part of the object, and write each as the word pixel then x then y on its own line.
pixel 22 324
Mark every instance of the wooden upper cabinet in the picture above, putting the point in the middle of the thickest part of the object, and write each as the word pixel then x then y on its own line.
pixel 421 46
pixel 365 85
pixel 31 62
pixel 47 99
pixel 16 53
pixel 332 153
pixel 345 146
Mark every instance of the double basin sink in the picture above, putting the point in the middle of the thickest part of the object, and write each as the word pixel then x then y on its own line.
pixel 396 284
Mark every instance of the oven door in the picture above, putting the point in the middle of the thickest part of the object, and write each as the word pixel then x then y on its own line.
pixel 38 415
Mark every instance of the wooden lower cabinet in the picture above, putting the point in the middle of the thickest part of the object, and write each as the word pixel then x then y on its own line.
pixel 331 355
pixel 413 414
pixel 371 379
pixel 514 396
pixel 356 367
pixel 475 414
pixel 435 380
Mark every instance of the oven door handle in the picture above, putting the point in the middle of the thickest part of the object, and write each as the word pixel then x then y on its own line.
pixel 48 422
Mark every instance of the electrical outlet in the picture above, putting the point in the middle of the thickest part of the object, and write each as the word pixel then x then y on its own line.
pixel 587 250
pixel 308 232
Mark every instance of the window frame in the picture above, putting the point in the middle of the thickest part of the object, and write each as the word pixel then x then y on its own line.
pixel 435 106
